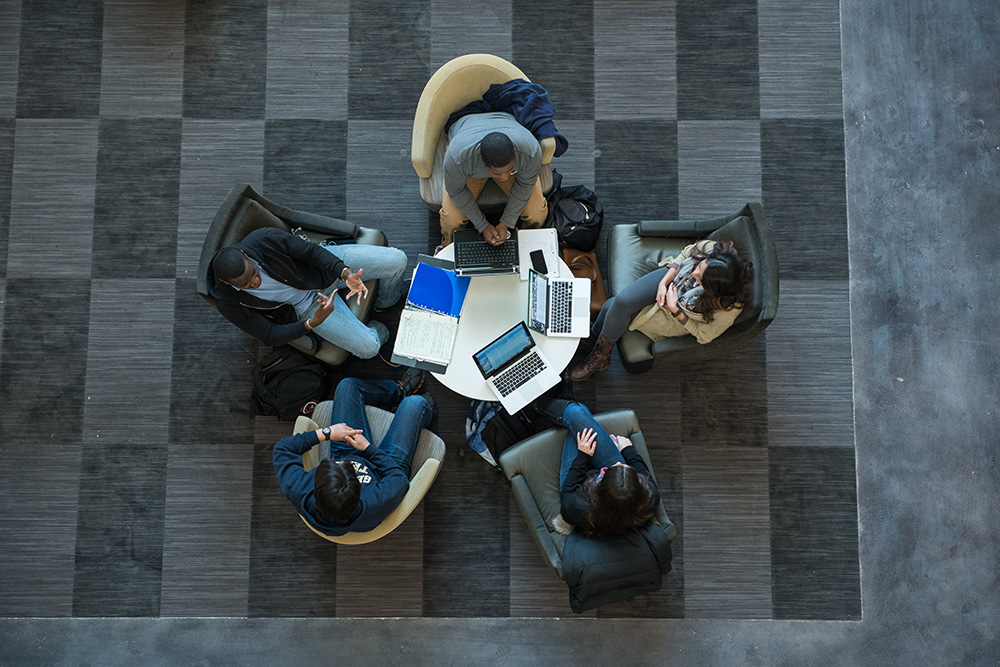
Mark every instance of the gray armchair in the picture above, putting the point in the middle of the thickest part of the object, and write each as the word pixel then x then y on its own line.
pixel 244 211
pixel 532 466
pixel 635 250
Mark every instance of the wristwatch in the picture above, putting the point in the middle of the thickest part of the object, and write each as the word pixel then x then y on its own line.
pixel 326 431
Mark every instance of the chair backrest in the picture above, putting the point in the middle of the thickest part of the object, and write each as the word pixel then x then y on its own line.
pixel 751 233
pixel 454 85
pixel 242 211
pixel 427 460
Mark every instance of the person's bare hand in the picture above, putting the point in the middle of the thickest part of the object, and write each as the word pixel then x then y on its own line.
pixel 670 300
pixel 661 293
pixel 621 442
pixel 359 442
pixel 502 233
pixel 340 432
pixel 586 441
pixel 325 305
pixel 356 285
pixel 495 234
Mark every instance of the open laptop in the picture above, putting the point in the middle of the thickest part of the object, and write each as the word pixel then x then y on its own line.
pixel 559 306
pixel 515 368
pixel 475 257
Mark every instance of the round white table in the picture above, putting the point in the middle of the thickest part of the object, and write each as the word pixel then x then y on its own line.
pixel 494 304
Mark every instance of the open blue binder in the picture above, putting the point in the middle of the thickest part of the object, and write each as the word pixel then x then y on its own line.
pixel 438 290
pixel 435 292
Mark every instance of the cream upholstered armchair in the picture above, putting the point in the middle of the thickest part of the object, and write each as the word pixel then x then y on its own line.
pixel 427 459
pixel 457 83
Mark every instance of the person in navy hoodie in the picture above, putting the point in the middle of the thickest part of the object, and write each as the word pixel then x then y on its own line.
pixel 360 483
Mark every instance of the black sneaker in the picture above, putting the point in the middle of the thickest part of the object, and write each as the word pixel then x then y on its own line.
pixel 430 399
pixel 412 381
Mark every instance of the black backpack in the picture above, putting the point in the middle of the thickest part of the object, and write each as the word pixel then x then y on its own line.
pixel 490 430
pixel 577 215
pixel 287 383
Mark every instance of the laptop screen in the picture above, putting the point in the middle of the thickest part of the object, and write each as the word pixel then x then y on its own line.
pixel 508 346
pixel 537 299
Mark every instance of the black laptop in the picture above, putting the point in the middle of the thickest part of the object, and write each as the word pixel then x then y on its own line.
pixel 475 257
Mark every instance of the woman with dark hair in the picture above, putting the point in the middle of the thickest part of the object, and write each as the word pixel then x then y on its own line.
pixel 605 485
pixel 700 292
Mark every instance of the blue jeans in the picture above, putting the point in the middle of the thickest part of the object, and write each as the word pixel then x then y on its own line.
pixel 413 413
pixel 577 417
pixel 341 327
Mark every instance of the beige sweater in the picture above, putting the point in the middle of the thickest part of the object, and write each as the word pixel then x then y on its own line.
pixel 658 324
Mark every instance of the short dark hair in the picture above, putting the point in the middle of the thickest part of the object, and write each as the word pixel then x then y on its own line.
pixel 497 150
pixel 337 490
pixel 228 264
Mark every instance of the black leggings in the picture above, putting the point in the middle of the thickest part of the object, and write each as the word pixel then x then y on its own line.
pixel 618 311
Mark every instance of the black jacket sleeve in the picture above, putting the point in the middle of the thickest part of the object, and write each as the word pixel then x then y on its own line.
pixel 288 259
pixel 573 502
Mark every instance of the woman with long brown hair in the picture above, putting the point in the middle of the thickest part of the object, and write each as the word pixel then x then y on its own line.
pixel 700 292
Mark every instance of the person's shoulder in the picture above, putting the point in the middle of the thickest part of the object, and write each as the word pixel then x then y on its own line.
pixel 264 234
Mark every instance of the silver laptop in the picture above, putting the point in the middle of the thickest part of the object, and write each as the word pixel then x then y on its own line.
pixel 515 368
pixel 475 257
pixel 559 306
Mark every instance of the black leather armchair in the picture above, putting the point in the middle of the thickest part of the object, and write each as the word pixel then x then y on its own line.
pixel 635 250
pixel 244 211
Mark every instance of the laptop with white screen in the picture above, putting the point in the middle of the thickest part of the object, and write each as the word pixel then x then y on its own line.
pixel 515 369
pixel 558 307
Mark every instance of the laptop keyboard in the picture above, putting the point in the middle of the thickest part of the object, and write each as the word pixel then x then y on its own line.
pixel 519 374
pixel 480 254
pixel 561 294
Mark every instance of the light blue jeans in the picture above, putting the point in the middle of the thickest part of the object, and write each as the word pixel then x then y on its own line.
pixel 341 327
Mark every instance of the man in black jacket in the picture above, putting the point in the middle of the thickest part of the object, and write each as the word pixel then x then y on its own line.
pixel 277 287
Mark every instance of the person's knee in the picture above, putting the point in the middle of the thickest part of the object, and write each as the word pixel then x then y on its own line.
pixel 396 260
pixel 369 346
pixel 575 410
pixel 417 407
pixel 367 350
pixel 347 387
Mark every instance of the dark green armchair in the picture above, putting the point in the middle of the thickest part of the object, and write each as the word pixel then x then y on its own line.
pixel 244 211
pixel 635 250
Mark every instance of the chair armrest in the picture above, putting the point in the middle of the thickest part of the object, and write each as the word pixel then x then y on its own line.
pixel 676 228
pixel 303 424
pixel 539 531
pixel 548 145
pixel 320 223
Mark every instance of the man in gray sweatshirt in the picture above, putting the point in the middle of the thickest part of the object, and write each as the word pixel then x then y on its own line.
pixel 491 145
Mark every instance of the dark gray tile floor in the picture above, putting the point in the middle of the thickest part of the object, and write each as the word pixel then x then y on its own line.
pixel 850 519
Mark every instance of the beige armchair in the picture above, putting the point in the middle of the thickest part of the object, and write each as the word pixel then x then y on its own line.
pixel 427 459
pixel 457 83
